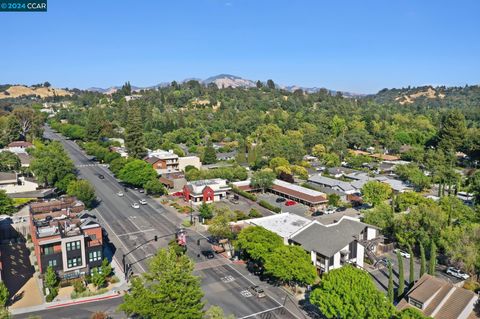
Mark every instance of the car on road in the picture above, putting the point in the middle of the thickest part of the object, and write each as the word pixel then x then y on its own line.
pixel 120 194
pixel 457 273
pixel 290 203
pixel 402 253
pixel 280 200
pixel 257 291
pixel 141 190
pixel 101 176
pixel 135 205
pixel 143 201
pixel 208 253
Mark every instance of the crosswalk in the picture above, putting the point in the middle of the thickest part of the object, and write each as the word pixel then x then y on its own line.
pixel 91 165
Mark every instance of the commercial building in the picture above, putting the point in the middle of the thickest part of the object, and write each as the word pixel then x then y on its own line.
pixel 440 299
pixel 185 161
pixel 209 190
pixel 65 238
pixel 163 161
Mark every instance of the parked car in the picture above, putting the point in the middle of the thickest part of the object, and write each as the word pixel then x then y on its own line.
pixel 141 190
pixel 457 273
pixel 257 291
pixel 177 194
pixel 329 210
pixel 208 253
pixel 143 201
pixel 135 205
pixel 290 203
pixel 385 261
pixel 280 200
pixel 101 176
pixel 120 194
pixel 317 213
pixel 402 253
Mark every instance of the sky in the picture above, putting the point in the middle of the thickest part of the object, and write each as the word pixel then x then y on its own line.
pixel 360 46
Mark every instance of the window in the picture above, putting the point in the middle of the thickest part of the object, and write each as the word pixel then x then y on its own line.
pixel 94 256
pixel 48 250
pixel 93 236
pixel 74 262
pixel 52 262
pixel 415 303
pixel 73 245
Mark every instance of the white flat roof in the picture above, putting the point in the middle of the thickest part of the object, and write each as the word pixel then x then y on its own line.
pixel 284 224
pixel 298 188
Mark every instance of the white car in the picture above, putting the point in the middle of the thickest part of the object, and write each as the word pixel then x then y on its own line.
pixel 143 202
pixel 457 273
pixel 402 253
pixel 120 194
pixel 330 210
pixel 135 205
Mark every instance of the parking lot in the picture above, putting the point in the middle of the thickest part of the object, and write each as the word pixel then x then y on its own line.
pixel 298 209
pixel 380 275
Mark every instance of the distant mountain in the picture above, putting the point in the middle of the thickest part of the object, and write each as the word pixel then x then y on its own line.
pixel 228 80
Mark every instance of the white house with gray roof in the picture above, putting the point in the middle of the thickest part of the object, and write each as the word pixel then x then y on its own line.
pixel 332 246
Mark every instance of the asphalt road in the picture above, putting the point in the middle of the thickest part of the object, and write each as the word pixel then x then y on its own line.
pixel 128 228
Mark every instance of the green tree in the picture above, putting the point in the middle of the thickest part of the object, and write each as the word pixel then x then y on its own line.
pixel 50 281
pixel 7 206
pixel 51 163
pixel 220 224
pixel 4 294
pixel 100 274
pixel 375 192
pixel 117 164
pixel 270 84
pixel 26 118
pixel 432 262
pixel 134 140
pixel 62 185
pixel 137 173
pixel 349 292
pixel 154 187
pixel 411 313
pixel 390 291
pixel 452 132
pixel 263 179
pixel 422 260
pixel 401 275
pixel 411 279
pixel 215 312
pixel 290 264
pixel 205 211
pixel 82 190
pixel 9 161
pixel 209 154
pixel 258 242
pixel 4 314
pixel 319 150
pixel 333 199
pixel 168 290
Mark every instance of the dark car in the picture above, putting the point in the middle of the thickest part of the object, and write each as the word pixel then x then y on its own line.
pixel 208 253
pixel 280 200
pixel 341 209
pixel 317 213
pixel 101 176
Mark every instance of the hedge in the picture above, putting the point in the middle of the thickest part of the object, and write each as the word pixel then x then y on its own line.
pixel 245 194
pixel 269 206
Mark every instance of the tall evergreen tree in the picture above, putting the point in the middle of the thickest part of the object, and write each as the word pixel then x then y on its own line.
pixel 411 278
pixel 401 275
pixel 168 290
pixel 209 154
pixel 390 292
pixel 270 84
pixel 452 132
pixel 134 134
pixel 422 260
pixel 259 84
pixel 433 258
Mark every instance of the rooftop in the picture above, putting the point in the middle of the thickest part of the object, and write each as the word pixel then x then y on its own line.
pixel 284 224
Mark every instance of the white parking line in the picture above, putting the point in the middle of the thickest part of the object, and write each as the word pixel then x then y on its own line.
pixel 260 312
pixel 136 232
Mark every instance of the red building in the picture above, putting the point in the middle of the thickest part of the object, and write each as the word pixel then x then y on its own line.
pixel 209 190
pixel 65 237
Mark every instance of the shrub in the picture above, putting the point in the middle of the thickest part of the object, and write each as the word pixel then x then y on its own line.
pixel 269 206
pixel 114 279
pixel 186 223
pixel 254 213
pixel 78 286
pixel 240 215
pixel 88 293
pixel 245 194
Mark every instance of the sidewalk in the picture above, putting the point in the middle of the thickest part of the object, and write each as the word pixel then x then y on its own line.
pixel 116 290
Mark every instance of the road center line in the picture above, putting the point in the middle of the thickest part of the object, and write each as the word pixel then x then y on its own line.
pixel 136 232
